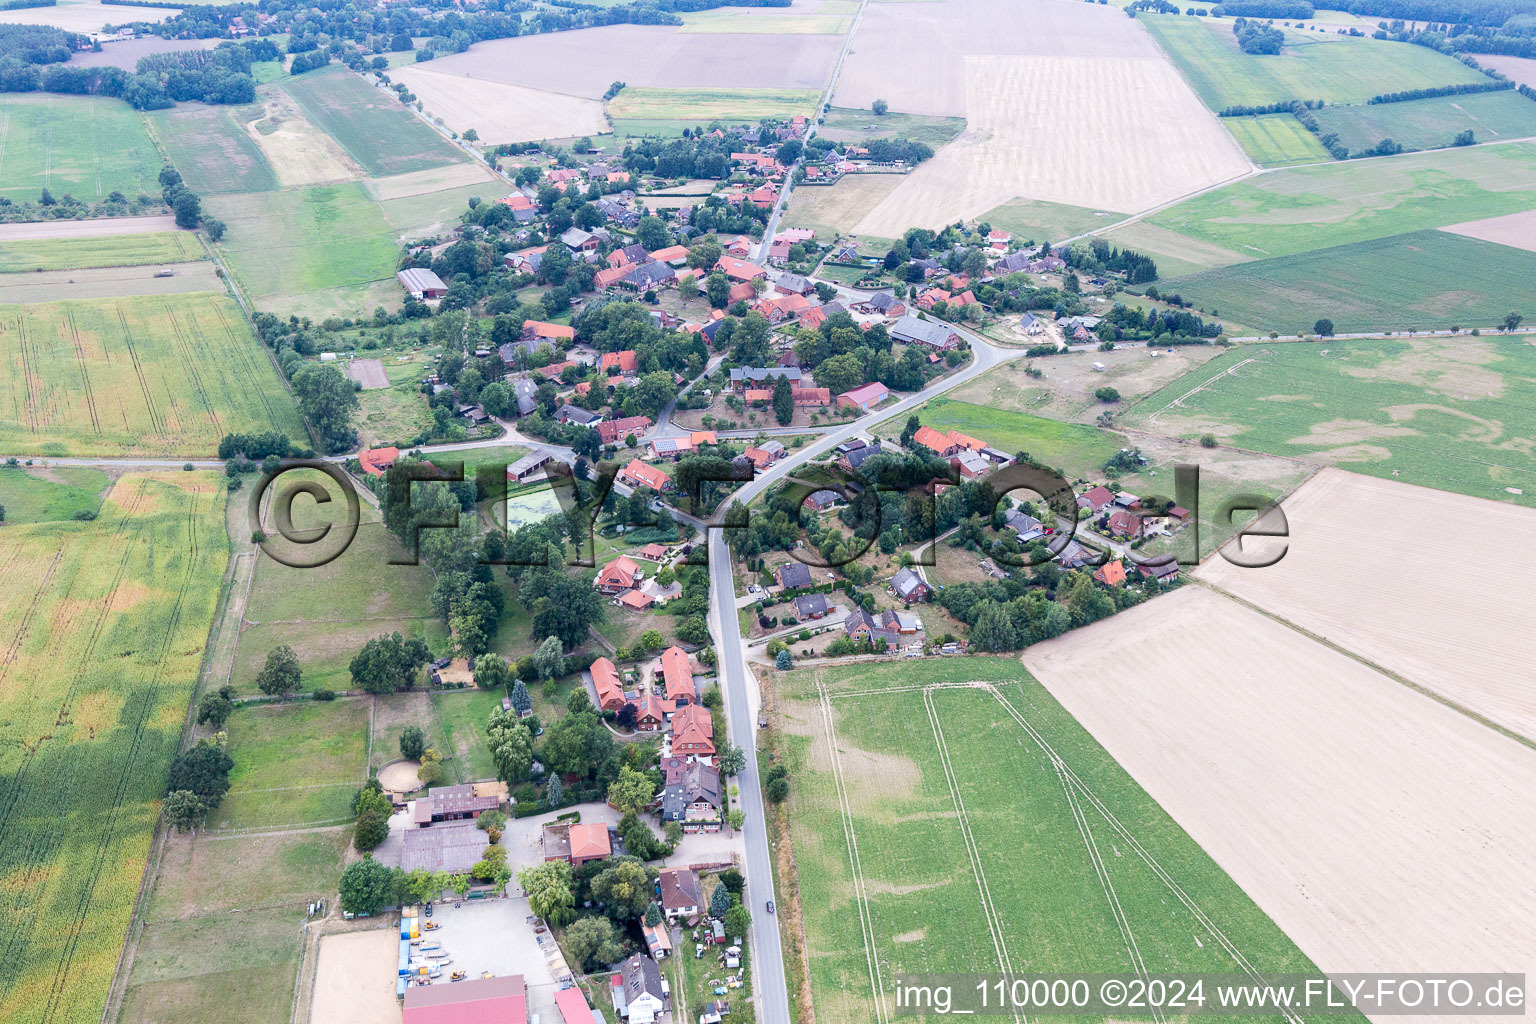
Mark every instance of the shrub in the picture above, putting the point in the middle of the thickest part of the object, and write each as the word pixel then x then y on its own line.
pixel 325 695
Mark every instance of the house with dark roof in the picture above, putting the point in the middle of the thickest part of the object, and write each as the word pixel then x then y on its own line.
pixel 860 625
pixel 883 303
pixel 451 803
pixel 856 458
pixel 692 795
pixel 577 415
pixel 928 333
pixel 908 586
pixel 793 284
pixel 811 606
pixel 454 847
pixel 743 377
pixel 638 994
pixel 680 893
pixel 822 500
pixel 793 575
pixel 1026 527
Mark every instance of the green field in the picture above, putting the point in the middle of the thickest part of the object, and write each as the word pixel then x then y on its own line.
pixel 221 874
pixel 296 764
pixel 370 124
pixel 211 148
pixel 99 251
pixel 1303 208
pixel 1427 280
pixel 1432 123
pixel 1332 68
pixel 1043 222
pixel 149 375
pixel 87 147
pixel 1065 859
pixel 851 124
pixel 49 495
pixel 1276 140
pixel 308 250
pixel 1075 447
pixel 1451 413
pixel 103 625
pixel 705 105
pixel 236 970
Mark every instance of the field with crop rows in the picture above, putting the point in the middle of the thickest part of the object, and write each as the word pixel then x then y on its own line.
pixel 1332 68
pixel 1422 281
pixel 87 147
pixel 150 375
pixel 102 626
pixel 211 148
pixel 370 124
pixel 957 819
pixel 1275 140
pixel 99 251
pixel 1432 123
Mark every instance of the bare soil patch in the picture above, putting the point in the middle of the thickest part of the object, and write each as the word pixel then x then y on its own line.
pixel 368 372
pixel 299 152
pixel 1521 69
pixel 501 112
pixel 1065 391
pixel 1516 229
pixel 433 179
pixel 400 777
pixel 838 209
pixel 355 979
pixel 1379 829
pixel 1363 571
pixel 108 282
pixel 28 232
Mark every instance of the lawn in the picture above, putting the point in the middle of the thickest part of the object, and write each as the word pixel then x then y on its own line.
pixel 1422 281
pixel 1302 208
pixel 103 625
pixel 87 147
pixel 705 105
pixel 99 251
pixel 391 416
pixel 211 148
pixel 370 124
pixel 432 213
pixel 147 375
pixel 1276 140
pixel 851 124
pixel 233 970
pixel 296 764
pixel 1450 413
pixel 49 495
pixel 1335 69
pixel 286 246
pixel 218 874
pixel 1075 447
pixel 1034 219
pixel 1065 857
pixel 1432 123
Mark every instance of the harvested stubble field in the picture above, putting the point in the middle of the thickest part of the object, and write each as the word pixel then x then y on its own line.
pixel 299 151
pixel 371 124
pixel 421 183
pixel 1380 829
pixel 1432 123
pixel 167 375
pixel 100 251
pixel 585 63
pixel 102 627
pixel 211 148
pixel 649 103
pixel 1333 68
pixel 500 112
pixel 1516 229
pixel 109 282
pixel 1302 208
pixel 1449 413
pixel 1520 69
pixel 125 53
pixel 1118 159
pixel 1275 140
pixel 1341 579
pixel 951 816
pixel 84 17
pixel 86 146
pixel 36 230
pixel 1414 282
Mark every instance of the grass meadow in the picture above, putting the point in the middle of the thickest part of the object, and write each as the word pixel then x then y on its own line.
pixel 147 375
pixel 851 124
pixel 1303 208
pixel 1449 413
pixel 50 495
pixel 238 970
pixel 296 764
pixel 1432 123
pixel 1069 858
pixel 370 124
pixel 1042 221
pixel 99 251
pixel 1427 280
pixel 211 148
pixel 704 105
pixel 103 625
pixel 1276 140
pixel 1334 69
pixel 86 146
pixel 1075 447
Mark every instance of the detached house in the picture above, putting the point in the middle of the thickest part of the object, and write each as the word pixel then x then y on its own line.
pixel 626 362
pixel 677 676
pixel 681 895
pixel 739 269
pixel 928 333
pixel 639 994
pixel 620 574
pixel 793 575
pixel 908 586
pixel 692 795
pixel 693 733
pixel 638 474
pixel 605 679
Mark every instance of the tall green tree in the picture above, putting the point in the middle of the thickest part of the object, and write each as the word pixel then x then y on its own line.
pixel 184 810
pixel 783 401
pixel 626 888
pixel 327 399
pixel 632 791
pixel 366 887
pixel 548 886
pixel 281 674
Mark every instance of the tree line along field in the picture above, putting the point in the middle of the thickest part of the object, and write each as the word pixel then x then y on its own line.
pixel 211 148
pixel 1427 280
pixel 1449 413
pixel 99 251
pixel 1432 123
pixel 1335 69
pixel 370 123
pixel 1276 140
pixel 85 146
pixel 146 375
pixel 102 629
pixel 957 819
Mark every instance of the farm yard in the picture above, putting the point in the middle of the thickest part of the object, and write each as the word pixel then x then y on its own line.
pixel 1416 282
pixel 372 125
pixel 952 817
pixel 1332 584
pixel 1312 66
pixel 500 112
pixel 99 251
pixel 165 375
pixel 1432 123
pixel 104 624
pixel 212 149
pixel 1374 825
pixel 1276 140
pixel 1448 413
pixel 87 147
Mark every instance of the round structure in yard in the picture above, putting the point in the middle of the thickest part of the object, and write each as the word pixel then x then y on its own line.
pixel 400 777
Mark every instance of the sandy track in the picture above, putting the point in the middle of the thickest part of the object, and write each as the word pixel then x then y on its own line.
pixel 1515 229
pixel 86 228
pixel 1381 830
pixel 501 112
pixel 1114 155
pixel 1372 566
pixel 109 282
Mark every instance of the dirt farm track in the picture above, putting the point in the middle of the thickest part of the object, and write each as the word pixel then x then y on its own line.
pixel 1380 829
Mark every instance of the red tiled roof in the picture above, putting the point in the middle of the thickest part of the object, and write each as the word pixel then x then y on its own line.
pixel 625 362
pixel 618 573
pixel 649 476
pixel 635 600
pixel 677 673
pixel 614 430
pixel 738 269
pixel 605 677
pixel 376 460
pixel 476 1001
pixel 590 841
pixel 543 329
pixel 573 1007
